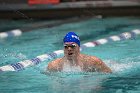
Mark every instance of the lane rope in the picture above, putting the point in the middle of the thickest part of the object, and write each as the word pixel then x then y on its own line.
pixel 12 33
pixel 31 62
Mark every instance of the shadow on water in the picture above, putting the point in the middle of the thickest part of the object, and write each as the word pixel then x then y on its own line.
pixel 125 77
pixel 120 84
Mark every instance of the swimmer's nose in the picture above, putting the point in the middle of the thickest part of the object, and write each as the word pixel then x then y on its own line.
pixel 69 48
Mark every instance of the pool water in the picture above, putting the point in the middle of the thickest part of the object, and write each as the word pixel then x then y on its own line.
pixel 123 57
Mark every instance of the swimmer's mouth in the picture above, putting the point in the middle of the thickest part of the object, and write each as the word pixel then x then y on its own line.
pixel 70 54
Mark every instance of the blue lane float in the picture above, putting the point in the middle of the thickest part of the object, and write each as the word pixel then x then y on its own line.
pixel 27 63
pixel 12 33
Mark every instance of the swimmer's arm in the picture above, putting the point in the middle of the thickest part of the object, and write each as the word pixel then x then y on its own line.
pixel 101 66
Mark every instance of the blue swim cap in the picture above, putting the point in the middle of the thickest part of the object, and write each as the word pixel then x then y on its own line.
pixel 72 37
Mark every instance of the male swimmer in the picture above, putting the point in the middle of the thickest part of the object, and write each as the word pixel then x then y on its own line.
pixel 75 60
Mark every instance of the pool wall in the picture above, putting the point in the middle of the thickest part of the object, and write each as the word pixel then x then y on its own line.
pixel 69 9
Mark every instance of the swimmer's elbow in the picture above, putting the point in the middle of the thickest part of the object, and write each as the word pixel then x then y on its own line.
pixel 104 68
pixel 108 70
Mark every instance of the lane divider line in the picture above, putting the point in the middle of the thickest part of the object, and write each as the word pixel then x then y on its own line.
pixel 12 33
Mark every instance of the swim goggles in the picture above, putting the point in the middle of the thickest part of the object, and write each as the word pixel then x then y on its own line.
pixel 69 45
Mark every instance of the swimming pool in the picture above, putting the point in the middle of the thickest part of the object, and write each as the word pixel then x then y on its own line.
pixel 123 57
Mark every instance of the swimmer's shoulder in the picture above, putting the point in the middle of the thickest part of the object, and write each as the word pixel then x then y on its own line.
pixel 91 59
pixel 97 63
pixel 55 64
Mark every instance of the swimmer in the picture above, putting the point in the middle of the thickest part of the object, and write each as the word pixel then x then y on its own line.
pixel 74 59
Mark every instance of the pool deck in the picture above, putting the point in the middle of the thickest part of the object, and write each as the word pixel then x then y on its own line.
pixel 70 9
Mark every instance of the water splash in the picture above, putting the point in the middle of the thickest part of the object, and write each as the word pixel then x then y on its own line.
pixel 128 66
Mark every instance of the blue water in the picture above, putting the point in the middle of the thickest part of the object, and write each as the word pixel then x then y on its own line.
pixel 122 57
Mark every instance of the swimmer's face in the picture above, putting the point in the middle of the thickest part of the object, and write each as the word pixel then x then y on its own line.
pixel 71 50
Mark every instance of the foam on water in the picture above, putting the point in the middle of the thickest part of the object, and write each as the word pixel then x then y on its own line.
pixel 71 69
pixel 128 66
